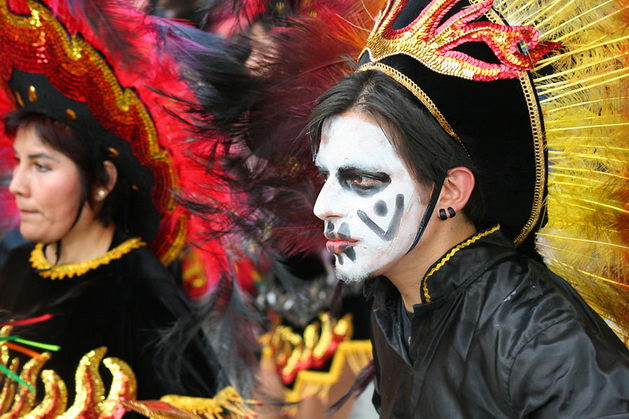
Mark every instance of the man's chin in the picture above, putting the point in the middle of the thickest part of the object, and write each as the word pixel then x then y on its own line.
pixel 351 276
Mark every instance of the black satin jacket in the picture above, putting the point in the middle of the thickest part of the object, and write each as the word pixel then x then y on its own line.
pixel 499 336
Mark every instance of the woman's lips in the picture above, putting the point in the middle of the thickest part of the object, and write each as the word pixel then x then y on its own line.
pixel 339 246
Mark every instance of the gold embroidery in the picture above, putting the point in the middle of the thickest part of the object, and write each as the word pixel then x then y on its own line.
pixel 89 399
pixel 45 269
pixel 451 253
pixel 539 143
pixel 25 398
pixel 55 397
pixel 433 44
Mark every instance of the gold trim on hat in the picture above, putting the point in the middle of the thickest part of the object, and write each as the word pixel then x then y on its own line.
pixel 417 92
pixel 539 143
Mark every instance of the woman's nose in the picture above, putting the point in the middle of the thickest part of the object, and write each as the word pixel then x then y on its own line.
pixel 19 183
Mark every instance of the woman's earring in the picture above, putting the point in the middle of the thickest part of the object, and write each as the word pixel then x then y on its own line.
pixel 442 214
pixel 101 194
pixel 452 212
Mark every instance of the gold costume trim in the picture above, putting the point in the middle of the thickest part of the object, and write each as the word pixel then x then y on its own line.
pixel 46 270
pixel 539 142
pixel 451 253
pixel 226 403
pixel 89 400
pixel 355 353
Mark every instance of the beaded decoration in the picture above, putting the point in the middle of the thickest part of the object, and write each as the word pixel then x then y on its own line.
pixel 434 44
pixel 38 43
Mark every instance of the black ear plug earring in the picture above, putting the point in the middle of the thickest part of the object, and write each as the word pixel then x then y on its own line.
pixel 443 216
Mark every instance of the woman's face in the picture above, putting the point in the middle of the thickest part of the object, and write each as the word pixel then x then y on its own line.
pixel 47 188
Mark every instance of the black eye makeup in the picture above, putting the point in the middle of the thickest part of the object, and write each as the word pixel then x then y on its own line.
pixel 363 182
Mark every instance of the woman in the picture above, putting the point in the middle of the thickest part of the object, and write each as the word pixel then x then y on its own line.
pixel 93 184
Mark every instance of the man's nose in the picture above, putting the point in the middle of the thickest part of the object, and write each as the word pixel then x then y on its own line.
pixel 330 203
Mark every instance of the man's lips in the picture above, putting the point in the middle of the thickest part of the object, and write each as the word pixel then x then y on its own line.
pixel 339 246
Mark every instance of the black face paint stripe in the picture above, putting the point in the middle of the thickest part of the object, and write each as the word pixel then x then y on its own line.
pixel 329 227
pixel 343 232
pixel 340 258
pixel 351 253
pixel 393 225
pixel 429 209
pixel 380 208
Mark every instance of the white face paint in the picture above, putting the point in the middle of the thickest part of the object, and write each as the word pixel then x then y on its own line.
pixel 370 201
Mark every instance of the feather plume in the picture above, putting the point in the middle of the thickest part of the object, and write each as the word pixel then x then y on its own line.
pixel 259 104
pixel 583 95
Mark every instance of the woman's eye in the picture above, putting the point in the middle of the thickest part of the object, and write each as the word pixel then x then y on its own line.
pixel 41 167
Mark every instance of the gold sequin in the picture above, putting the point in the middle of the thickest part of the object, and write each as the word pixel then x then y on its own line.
pixel 70 115
pixel 32 94
pixel 18 98
pixel 293 352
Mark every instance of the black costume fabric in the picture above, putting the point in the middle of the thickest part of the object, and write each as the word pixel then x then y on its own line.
pixel 502 337
pixel 124 305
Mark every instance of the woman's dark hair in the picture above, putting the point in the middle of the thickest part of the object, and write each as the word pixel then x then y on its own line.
pixel 89 160
pixel 426 148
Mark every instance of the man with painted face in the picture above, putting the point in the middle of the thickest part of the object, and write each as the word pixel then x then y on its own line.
pixel 434 174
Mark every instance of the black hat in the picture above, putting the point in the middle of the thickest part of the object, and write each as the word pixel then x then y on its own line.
pixel 468 69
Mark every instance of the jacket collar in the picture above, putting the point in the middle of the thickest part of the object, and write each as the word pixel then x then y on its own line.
pixel 460 264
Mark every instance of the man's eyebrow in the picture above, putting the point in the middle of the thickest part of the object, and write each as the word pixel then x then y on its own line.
pixel 359 168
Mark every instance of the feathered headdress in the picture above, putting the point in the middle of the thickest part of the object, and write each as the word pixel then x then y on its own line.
pixel 86 64
pixel 535 88
pixel 259 101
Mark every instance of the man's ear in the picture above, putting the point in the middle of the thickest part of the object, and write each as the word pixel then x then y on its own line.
pixel 457 189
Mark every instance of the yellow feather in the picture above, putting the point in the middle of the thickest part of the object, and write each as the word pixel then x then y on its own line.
pixel 586 113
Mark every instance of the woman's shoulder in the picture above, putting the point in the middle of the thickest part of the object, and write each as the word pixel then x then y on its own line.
pixel 16 254
pixel 16 263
